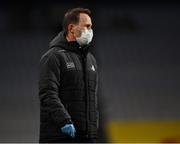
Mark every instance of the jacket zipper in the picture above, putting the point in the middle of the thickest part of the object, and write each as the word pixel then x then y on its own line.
pixel 86 95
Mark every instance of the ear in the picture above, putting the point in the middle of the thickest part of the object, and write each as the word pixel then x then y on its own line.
pixel 71 28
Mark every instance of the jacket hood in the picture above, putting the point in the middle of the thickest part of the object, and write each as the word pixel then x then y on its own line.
pixel 61 41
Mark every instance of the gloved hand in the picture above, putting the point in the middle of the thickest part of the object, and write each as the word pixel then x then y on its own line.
pixel 69 130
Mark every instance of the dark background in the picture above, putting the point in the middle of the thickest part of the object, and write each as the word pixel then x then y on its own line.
pixel 137 50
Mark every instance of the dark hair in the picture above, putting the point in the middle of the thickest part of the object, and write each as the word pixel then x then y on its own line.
pixel 72 17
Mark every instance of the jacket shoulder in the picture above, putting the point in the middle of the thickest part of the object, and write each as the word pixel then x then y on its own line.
pixel 52 52
pixel 58 50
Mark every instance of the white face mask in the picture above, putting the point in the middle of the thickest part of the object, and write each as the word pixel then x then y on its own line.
pixel 86 37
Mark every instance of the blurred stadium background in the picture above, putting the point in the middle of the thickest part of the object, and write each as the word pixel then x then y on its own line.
pixel 138 53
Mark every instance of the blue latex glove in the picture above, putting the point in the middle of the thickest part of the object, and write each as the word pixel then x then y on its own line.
pixel 69 130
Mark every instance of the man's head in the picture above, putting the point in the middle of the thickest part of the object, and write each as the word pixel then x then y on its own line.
pixel 77 25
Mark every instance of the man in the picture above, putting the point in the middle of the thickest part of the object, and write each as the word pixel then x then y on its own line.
pixel 68 83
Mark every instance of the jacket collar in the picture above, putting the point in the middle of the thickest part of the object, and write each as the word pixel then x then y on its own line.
pixel 61 41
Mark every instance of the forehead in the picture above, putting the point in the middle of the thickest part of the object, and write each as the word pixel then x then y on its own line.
pixel 84 19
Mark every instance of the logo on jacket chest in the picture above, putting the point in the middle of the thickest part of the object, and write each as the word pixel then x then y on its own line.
pixel 70 65
pixel 92 68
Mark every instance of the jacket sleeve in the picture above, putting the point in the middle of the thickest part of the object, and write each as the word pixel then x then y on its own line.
pixel 49 83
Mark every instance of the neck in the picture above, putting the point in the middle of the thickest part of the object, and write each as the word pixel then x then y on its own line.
pixel 70 37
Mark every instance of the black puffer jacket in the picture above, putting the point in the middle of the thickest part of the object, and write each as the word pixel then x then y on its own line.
pixel 67 90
